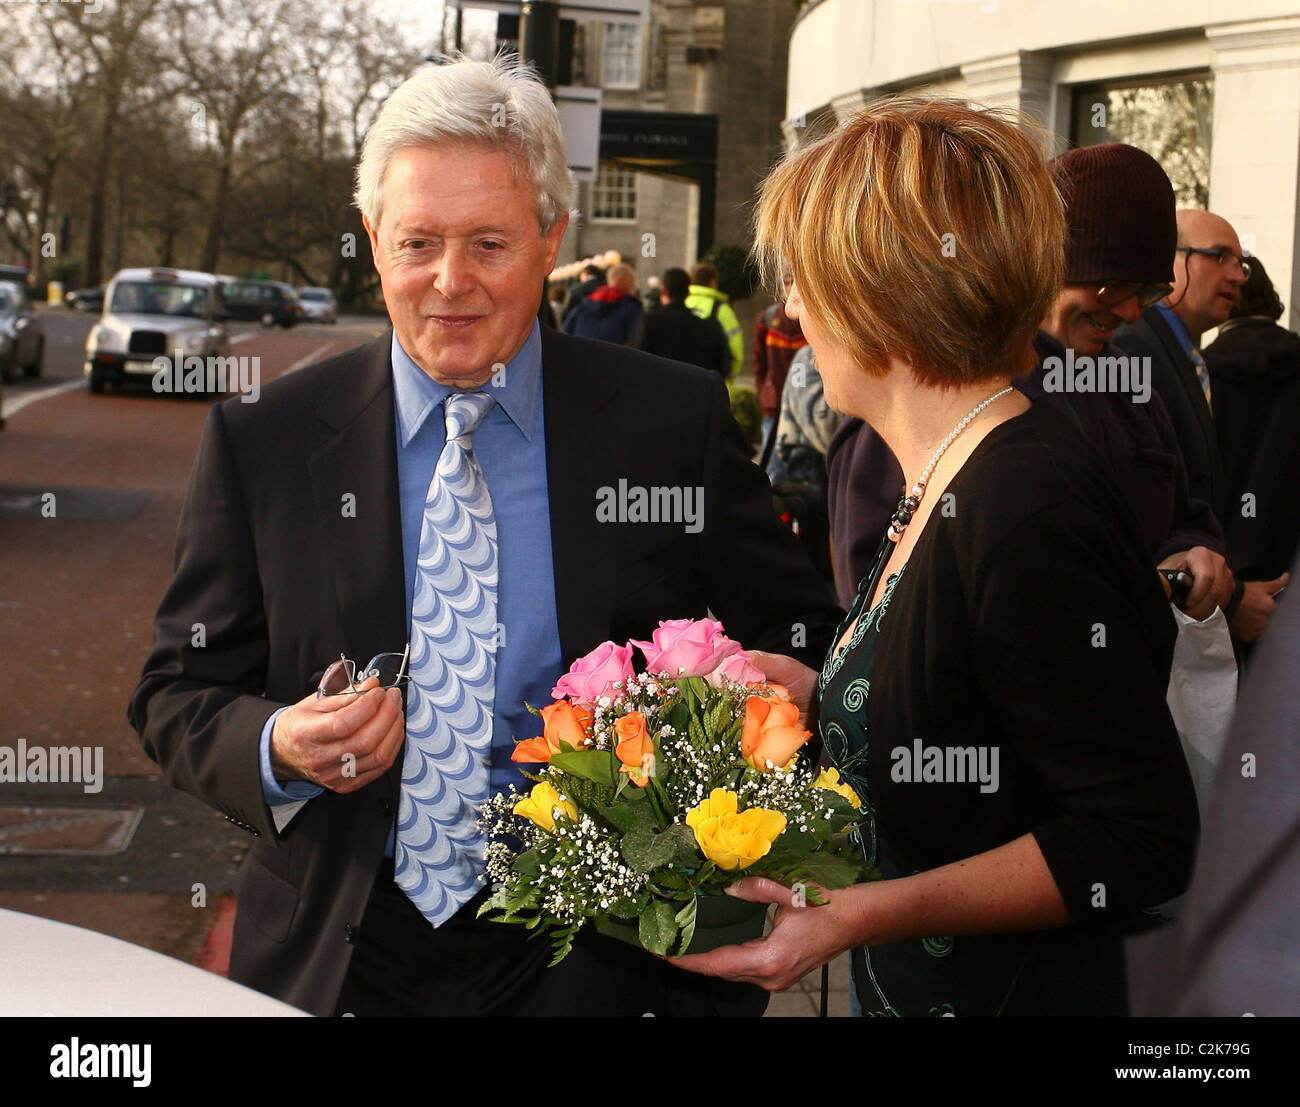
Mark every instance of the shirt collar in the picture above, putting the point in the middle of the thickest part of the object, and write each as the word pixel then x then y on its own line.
pixel 417 394
pixel 1178 327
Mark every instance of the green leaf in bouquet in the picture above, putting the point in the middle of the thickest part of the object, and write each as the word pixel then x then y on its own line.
pixel 824 869
pixel 700 687
pixel 658 927
pixel 528 863
pixel 561 944
pixel 678 716
pixel 661 803
pixel 695 730
pixel 587 794
pixel 633 812
pixel 629 907
pixel 646 851
pixel 670 881
pixel 533 710
pixel 685 919
pixel 715 718
pixel 685 849
pixel 595 765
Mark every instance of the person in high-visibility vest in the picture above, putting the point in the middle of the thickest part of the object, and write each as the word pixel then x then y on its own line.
pixel 708 303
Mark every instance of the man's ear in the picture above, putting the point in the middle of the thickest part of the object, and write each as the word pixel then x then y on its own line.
pixel 553 239
pixel 373 235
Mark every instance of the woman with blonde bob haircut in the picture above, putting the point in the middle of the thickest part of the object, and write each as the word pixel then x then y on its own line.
pixel 996 694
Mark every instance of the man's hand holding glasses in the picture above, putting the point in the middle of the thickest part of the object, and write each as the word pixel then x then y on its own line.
pixel 356 712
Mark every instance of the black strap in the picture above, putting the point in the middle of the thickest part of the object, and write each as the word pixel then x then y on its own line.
pixel 822 1011
pixel 1030 955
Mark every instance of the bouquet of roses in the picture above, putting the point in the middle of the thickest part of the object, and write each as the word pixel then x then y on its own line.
pixel 658 790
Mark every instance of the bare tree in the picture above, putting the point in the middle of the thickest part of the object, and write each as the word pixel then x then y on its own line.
pixel 237 55
pixel 127 71
pixel 45 99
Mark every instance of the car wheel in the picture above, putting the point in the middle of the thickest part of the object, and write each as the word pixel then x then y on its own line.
pixel 96 385
pixel 268 319
pixel 34 369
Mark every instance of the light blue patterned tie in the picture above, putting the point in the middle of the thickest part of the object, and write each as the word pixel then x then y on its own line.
pixel 1202 373
pixel 439 855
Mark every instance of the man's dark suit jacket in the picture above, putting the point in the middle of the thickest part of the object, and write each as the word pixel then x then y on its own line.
pixel 284 581
pixel 676 332
pixel 1174 376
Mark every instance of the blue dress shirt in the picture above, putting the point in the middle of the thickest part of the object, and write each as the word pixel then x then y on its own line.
pixel 1179 328
pixel 510 445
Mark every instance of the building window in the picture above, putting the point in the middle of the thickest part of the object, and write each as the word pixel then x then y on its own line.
pixel 1170 120
pixel 613 196
pixel 622 55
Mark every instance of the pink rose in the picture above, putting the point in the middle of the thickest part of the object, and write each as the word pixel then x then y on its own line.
pixel 738 666
pixel 591 676
pixel 687 647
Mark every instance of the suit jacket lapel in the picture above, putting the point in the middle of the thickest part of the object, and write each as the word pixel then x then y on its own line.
pixel 583 447
pixel 364 541
pixel 1186 368
pixel 1186 373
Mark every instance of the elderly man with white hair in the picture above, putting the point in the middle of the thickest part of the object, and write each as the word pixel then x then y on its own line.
pixel 429 501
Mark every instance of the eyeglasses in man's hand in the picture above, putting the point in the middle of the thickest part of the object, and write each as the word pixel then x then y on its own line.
pixel 342 677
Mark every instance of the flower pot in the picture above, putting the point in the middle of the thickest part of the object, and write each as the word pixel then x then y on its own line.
pixel 720 920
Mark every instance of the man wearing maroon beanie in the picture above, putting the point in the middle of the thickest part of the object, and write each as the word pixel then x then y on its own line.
pixel 1119 261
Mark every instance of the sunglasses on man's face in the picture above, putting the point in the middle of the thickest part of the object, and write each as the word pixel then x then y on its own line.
pixel 1114 293
pixel 343 678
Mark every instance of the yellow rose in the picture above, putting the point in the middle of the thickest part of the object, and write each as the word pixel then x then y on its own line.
pixel 830 780
pixel 541 805
pixel 731 839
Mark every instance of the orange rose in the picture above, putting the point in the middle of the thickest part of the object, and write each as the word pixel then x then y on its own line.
pixel 563 723
pixel 772 732
pixel 635 749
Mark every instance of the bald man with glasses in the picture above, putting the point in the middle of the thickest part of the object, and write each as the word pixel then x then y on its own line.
pixel 1209 270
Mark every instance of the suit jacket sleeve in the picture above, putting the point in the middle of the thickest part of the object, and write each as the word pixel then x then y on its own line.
pixel 199 710
pixel 758 579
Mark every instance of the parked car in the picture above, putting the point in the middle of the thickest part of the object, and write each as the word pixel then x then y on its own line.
pixel 269 302
pixel 22 335
pixel 319 305
pixel 151 313
pixel 85 299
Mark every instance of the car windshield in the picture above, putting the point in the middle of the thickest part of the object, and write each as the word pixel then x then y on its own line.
pixel 159 298
pixel 313 294
pixel 7 299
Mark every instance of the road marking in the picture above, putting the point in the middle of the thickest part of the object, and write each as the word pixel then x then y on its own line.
pixel 303 362
pixel 13 407
pixel 245 337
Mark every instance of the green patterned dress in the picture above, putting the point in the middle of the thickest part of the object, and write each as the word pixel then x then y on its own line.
pixel 1056 972
pixel 844 691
